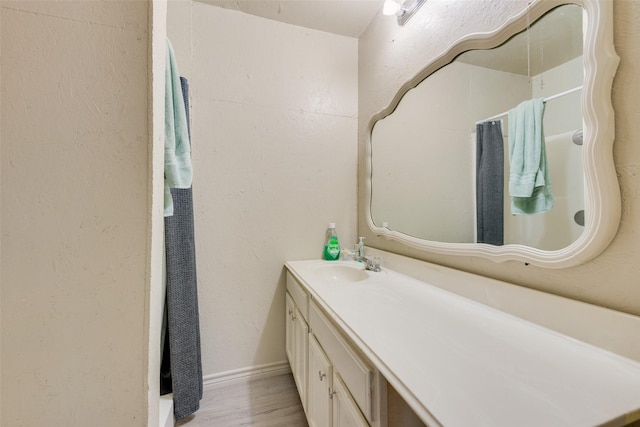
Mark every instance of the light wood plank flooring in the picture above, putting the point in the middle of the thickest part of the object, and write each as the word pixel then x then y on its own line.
pixel 264 402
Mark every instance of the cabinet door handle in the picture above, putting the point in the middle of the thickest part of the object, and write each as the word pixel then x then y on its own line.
pixel 321 375
pixel 290 312
pixel 331 393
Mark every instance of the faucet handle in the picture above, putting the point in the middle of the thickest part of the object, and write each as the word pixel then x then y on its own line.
pixel 373 263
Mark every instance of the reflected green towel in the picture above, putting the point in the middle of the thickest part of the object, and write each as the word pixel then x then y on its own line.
pixel 529 180
pixel 177 150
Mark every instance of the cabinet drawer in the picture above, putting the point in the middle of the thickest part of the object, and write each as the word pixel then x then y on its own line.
pixel 298 294
pixel 356 373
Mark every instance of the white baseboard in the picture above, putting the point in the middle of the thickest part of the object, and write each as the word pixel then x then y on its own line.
pixel 245 374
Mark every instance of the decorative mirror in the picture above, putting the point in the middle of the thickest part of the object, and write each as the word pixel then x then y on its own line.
pixel 445 158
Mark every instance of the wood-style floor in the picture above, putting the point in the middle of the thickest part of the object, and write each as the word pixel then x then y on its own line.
pixel 264 402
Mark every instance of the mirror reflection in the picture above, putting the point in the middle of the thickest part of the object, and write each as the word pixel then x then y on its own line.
pixel 441 165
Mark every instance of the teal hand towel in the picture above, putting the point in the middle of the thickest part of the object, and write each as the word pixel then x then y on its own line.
pixel 529 180
pixel 177 149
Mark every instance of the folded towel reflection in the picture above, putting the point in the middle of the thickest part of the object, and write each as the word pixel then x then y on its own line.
pixel 529 178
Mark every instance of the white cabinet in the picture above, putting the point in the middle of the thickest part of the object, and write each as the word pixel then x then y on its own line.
pixel 319 405
pixel 345 410
pixel 356 373
pixel 297 347
pixel 300 354
pixel 338 387
pixel 289 307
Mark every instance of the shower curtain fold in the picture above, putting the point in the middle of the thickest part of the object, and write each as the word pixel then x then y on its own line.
pixel 490 183
pixel 183 360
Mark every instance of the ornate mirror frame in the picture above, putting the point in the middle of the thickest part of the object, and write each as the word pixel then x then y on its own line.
pixel 602 191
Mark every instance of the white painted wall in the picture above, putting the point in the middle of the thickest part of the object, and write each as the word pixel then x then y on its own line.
pixel 75 200
pixel 390 55
pixel 274 113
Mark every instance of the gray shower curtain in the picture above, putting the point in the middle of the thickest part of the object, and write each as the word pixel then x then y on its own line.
pixel 490 183
pixel 181 370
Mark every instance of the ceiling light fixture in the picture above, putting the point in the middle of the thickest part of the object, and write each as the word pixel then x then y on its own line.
pixel 391 7
pixel 403 9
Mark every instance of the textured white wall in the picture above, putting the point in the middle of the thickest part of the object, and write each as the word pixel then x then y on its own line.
pixel 75 207
pixel 274 112
pixel 391 55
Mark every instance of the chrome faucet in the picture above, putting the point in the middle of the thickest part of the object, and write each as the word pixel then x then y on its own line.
pixel 371 263
pixel 357 253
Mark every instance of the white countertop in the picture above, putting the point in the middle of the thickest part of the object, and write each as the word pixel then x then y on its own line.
pixel 466 364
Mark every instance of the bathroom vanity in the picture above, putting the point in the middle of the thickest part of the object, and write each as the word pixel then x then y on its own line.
pixel 338 385
pixel 454 361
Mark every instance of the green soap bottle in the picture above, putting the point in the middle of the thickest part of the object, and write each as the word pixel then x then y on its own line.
pixel 331 245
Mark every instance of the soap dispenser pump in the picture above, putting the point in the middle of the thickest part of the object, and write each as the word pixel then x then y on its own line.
pixel 331 245
pixel 361 248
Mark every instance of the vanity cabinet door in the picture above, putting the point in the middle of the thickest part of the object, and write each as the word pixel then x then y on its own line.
pixel 345 411
pixel 320 386
pixel 299 364
pixel 289 307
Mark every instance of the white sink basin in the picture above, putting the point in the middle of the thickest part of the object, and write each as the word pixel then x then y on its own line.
pixel 344 273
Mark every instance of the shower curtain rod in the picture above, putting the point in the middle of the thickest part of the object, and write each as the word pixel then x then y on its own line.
pixel 549 98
